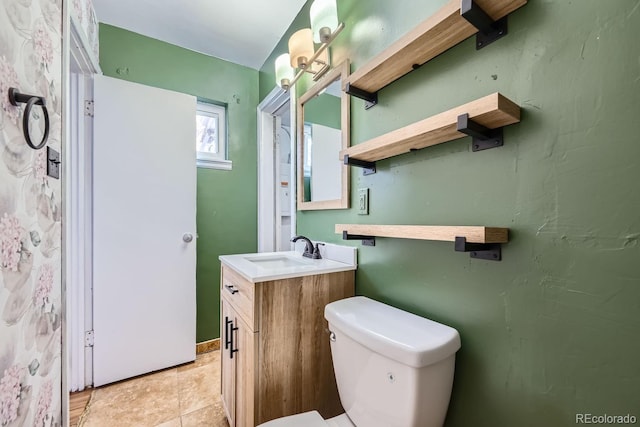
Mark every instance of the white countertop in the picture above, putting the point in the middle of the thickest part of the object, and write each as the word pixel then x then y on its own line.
pixel 262 267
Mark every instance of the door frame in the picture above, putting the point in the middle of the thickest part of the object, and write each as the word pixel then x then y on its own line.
pixel 268 168
pixel 79 64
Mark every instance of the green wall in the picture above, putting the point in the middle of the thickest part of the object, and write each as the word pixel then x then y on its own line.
pixel 226 200
pixel 553 329
pixel 323 110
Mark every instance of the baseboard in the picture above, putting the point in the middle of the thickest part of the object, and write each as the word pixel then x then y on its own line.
pixel 207 346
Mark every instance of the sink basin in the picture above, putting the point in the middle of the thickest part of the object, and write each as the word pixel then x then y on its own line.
pixel 266 266
pixel 276 262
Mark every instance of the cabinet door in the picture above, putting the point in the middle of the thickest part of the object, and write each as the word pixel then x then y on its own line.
pixel 228 370
pixel 245 374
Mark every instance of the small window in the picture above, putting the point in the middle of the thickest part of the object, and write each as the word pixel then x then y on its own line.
pixel 211 136
pixel 308 144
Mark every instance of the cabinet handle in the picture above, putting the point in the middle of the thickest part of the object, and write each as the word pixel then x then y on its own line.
pixel 227 341
pixel 232 350
pixel 231 289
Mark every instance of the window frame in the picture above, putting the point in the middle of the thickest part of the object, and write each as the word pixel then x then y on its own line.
pixel 221 159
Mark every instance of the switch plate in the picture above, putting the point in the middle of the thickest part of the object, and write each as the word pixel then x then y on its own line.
pixel 363 201
pixel 53 163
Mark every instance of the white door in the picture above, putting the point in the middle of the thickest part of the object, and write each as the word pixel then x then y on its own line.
pixel 276 222
pixel 144 210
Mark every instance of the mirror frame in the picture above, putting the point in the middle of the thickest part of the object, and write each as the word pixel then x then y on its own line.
pixel 341 71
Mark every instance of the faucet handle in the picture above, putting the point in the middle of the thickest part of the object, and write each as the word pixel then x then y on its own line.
pixel 308 250
pixel 316 251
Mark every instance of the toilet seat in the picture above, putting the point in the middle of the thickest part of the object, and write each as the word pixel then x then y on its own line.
pixel 342 420
pixel 309 419
pixel 306 419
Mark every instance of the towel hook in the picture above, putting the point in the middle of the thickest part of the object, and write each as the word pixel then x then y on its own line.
pixel 16 98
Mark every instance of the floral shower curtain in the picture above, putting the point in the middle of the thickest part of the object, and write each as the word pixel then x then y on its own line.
pixel 30 214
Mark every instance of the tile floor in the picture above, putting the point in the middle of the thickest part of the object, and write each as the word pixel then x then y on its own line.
pixel 186 396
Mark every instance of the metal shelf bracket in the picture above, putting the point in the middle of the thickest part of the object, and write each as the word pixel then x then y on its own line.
pixel 483 138
pixel 488 29
pixel 370 99
pixel 366 240
pixel 488 251
pixel 368 167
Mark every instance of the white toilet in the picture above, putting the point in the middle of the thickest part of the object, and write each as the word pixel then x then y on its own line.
pixel 393 368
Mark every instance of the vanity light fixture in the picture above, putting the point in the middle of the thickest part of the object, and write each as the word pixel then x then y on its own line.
pixel 302 54
pixel 324 19
pixel 301 48
pixel 284 72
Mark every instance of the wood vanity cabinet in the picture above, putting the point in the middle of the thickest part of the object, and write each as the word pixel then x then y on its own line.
pixel 275 354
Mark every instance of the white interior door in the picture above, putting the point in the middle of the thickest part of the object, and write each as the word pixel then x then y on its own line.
pixel 144 206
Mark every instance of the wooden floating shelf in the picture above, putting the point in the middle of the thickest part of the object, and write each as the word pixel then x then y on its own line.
pixel 492 112
pixel 473 234
pixel 441 31
pixel 481 242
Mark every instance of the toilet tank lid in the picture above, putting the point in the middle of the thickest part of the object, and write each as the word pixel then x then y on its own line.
pixel 394 333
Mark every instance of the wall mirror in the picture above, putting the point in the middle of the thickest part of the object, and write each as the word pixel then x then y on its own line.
pixel 322 132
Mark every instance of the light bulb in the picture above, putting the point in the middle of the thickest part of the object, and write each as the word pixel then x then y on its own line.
pixel 284 72
pixel 324 19
pixel 301 48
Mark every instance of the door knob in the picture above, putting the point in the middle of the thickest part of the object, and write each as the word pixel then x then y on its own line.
pixel 187 237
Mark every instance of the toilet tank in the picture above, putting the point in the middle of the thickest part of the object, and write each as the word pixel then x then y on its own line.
pixel 393 368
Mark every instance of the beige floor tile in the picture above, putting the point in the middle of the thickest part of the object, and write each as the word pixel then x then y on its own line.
pixel 159 400
pixel 201 360
pixel 199 387
pixel 210 416
pixel 176 422
pixel 145 401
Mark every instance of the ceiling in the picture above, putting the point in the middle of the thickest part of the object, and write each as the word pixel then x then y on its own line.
pixel 240 31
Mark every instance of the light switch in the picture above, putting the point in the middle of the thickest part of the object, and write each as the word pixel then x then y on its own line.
pixel 363 201
pixel 53 163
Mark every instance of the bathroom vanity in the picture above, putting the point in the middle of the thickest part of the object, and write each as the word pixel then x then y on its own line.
pixel 275 353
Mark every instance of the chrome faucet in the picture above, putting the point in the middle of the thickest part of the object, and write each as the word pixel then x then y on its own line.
pixel 309 251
